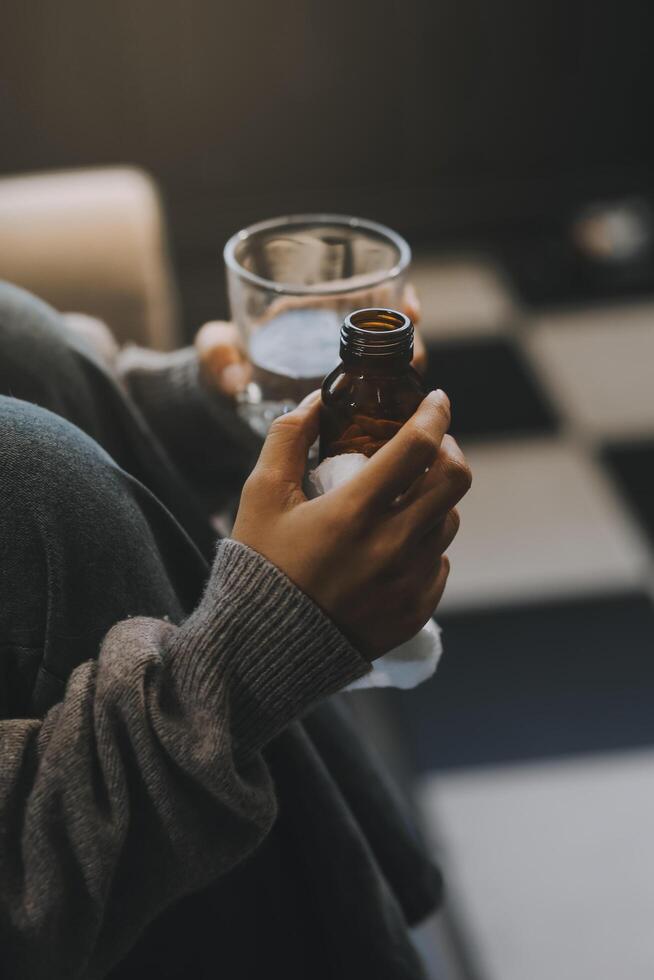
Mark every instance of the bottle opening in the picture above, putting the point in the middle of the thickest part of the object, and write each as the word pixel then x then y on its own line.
pixel 377 333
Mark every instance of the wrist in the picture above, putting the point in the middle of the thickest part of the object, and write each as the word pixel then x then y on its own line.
pixel 280 651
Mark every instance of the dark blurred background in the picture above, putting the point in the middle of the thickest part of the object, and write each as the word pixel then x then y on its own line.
pixel 475 121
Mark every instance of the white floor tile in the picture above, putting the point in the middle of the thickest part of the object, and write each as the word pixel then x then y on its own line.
pixel 600 365
pixel 540 521
pixel 460 297
pixel 550 867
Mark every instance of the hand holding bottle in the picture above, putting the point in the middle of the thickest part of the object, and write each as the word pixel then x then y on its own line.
pixel 369 553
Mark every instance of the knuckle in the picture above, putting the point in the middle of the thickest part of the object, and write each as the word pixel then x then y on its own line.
pixel 355 517
pixel 342 523
pixel 261 482
pixel 384 552
pixel 379 556
pixel 423 442
pixel 285 424
pixel 251 484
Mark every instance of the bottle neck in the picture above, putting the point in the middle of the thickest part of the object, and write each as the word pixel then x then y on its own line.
pixel 377 341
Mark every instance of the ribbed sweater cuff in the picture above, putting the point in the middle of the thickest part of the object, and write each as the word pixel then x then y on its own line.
pixel 266 643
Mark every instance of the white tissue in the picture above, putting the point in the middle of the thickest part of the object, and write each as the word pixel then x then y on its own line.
pixel 407 665
pixel 416 660
pixel 334 471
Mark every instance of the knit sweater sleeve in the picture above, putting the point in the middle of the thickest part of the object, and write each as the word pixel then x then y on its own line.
pixel 201 430
pixel 147 780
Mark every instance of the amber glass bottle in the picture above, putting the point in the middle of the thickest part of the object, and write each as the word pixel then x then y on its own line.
pixel 371 394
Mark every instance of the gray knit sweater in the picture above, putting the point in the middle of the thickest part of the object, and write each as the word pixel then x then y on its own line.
pixel 178 714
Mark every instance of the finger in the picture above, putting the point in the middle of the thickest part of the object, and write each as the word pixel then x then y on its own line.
pixel 449 452
pixel 448 530
pixel 403 459
pixel 234 379
pixel 413 309
pixel 219 335
pixel 420 356
pixel 222 361
pixel 437 587
pixel 284 453
pixel 411 304
pixel 432 585
pixel 422 555
pixel 438 491
pixel 440 537
pixel 429 590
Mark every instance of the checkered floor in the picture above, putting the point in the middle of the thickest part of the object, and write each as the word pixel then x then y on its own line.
pixel 548 626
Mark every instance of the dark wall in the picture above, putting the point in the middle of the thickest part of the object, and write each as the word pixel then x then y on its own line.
pixel 444 118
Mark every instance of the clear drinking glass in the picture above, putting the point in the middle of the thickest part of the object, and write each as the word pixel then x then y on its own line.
pixel 291 281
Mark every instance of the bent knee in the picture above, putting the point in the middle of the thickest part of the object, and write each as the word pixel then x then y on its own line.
pixel 42 453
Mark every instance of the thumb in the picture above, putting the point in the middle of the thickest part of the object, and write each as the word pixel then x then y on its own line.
pixel 284 453
pixel 411 304
pixel 223 365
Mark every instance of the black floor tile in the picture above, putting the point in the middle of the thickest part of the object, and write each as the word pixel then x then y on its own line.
pixel 632 467
pixel 547 271
pixel 535 682
pixel 492 389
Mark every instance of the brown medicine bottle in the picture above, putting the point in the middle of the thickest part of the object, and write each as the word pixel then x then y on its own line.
pixel 371 394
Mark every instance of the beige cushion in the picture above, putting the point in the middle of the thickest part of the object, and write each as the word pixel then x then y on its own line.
pixel 92 241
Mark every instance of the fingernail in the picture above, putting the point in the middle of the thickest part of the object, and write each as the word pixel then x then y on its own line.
pixel 441 395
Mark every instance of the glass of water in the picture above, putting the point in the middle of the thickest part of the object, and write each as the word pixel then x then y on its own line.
pixel 291 281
